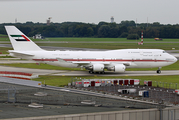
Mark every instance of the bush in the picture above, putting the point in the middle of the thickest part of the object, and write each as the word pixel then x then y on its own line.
pixel 133 37
pixel 123 35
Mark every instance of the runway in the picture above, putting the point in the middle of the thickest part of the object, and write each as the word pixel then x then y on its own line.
pixel 29 70
pixel 85 73
pixel 126 73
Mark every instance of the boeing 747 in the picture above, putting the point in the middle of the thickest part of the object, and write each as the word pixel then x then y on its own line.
pixel 94 61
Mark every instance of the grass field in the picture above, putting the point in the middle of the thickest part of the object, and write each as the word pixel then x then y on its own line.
pixel 107 43
pixel 105 40
pixel 72 39
pixel 160 81
pixel 6 57
pixel 165 46
pixel 40 66
pixel 4 50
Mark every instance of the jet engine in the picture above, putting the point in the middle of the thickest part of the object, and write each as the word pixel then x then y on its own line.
pixel 117 68
pixel 96 67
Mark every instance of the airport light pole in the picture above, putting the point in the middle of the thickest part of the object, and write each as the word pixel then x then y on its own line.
pixel 161 106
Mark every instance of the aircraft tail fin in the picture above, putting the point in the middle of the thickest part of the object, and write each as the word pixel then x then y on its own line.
pixel 20 41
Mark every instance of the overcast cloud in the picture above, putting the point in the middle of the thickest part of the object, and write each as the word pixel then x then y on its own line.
pixel 89 11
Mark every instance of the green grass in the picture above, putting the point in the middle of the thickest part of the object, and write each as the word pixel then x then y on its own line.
pixel 6 57
pixel 158 81
pixel 4 50
pixel 71 39
pixel 40 66
pixel 107 43
pixel 4 38
pixel 165 46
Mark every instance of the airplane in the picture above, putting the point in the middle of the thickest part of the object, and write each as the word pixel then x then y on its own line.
pixel 94 61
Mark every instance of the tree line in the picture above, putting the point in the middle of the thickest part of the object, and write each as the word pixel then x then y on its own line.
pixel 101 30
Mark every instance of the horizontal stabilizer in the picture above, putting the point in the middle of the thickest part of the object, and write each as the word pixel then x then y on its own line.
pixel 18 53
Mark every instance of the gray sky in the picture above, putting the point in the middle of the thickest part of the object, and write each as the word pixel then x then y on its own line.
pixel 89 11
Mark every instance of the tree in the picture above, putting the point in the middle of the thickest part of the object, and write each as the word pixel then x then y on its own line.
pixel 133 37
pixel 128 23
pixel 104 31
pixel 156 24
pixel 123 29
pixel 123 35
pixel 50 31
pixel 114 32
pixel 70 31
pixel 90 32
pixel 25 29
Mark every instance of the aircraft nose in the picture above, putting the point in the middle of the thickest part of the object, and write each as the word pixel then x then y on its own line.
pixel 175 59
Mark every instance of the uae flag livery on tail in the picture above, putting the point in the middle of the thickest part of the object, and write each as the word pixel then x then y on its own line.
pixel 20 38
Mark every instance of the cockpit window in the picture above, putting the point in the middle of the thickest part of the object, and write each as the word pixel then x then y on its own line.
pixel 164 52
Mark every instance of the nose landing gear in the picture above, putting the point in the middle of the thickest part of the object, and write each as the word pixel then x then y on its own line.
pixel 159 71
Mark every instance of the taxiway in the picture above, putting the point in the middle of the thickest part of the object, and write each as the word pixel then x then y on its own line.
pixel 85 73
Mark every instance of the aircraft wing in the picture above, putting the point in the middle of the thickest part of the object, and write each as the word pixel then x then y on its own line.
pixel 61 60
pixel 81 62
pixel 104 63
pixel 86 63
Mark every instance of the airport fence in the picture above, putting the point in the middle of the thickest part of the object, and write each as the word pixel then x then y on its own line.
pixel 158 91
pixel 24 94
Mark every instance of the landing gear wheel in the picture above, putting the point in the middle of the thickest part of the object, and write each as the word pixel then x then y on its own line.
pixel 158 71
pixel 103 72
pixel 90 72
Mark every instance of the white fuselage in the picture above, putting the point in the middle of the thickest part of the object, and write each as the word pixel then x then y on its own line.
pixel 132 58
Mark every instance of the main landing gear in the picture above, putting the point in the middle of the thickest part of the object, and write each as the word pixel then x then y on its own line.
pixel 91 72
pixel 159 71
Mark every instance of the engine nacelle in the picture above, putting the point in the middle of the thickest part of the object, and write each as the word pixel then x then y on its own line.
pixel 118 68
pixel 98 67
